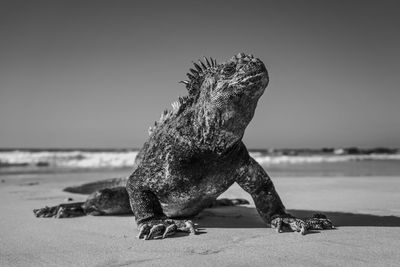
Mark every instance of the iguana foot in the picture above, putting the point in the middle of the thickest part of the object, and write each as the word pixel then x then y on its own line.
pixel 162 228
pixel 287 222
pixel 319 222
pixel 61 211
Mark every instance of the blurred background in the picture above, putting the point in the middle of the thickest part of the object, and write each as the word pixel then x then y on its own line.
pixel 97 74
pixel 81 81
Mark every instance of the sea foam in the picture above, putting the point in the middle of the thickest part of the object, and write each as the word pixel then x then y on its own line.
pixel 71 159
pixel 278 159
pixel 126 158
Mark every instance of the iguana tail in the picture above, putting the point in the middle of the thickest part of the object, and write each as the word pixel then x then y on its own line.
pixel 89 188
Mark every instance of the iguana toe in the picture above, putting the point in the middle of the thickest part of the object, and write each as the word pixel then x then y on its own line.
pixel 156 231
pixel 143 231
pixel 162 228
pixel 170 230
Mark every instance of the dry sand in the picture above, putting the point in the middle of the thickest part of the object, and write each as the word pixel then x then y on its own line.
pixel 233 236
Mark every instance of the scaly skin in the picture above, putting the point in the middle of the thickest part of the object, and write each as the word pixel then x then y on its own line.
pixel 195 152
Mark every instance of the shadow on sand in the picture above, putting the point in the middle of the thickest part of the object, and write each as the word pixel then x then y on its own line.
pixel 247 217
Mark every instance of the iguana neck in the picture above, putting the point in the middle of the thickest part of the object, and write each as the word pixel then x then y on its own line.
pixel 219 130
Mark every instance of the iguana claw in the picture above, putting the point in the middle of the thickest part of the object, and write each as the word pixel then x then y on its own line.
pixel 162 228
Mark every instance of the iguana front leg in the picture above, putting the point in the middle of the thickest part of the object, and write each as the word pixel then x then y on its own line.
pixel 150 218
pixel 253 179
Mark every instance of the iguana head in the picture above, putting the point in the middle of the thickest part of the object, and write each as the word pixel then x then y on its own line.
pixel 224 96
pixel 221 101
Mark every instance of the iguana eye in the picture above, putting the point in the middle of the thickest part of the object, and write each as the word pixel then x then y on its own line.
pixel 228 70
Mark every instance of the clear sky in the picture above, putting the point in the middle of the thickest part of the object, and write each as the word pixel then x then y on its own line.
pixel 98 73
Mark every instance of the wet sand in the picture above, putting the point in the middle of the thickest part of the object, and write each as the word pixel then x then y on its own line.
pixel 366 211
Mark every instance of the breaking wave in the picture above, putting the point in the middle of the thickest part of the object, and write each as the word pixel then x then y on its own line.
pixel 280 159
pixel 68 159
pixel 126 158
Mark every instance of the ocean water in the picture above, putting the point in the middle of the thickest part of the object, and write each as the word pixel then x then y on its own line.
pixel 276 164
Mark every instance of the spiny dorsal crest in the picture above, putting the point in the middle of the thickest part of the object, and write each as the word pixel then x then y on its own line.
pixel 196 75
pixel 177 107
pixel 180 104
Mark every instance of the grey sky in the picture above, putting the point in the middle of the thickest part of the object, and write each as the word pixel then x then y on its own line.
pixel 98 73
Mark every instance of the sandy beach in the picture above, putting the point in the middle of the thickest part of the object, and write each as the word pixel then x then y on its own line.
pixel 366 211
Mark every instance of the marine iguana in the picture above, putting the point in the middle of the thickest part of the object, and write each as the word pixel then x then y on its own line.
pixel 194 153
